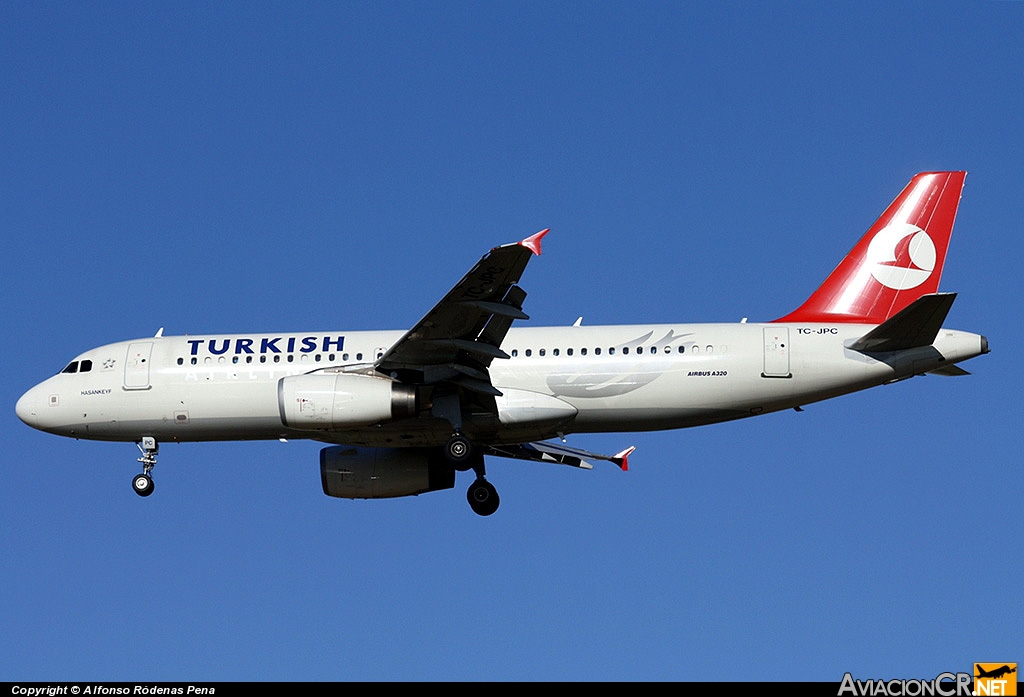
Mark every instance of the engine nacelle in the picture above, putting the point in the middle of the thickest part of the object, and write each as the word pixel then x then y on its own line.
pixel 380 473
pixel 324 401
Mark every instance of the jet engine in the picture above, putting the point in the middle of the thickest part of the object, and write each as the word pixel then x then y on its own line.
pixel 379 473
pixel 324 401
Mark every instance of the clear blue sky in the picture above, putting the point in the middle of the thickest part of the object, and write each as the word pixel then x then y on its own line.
pixel 249 167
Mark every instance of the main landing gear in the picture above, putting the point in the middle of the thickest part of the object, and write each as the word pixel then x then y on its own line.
pixel 482 496
pixel 458 450
pixel 142 484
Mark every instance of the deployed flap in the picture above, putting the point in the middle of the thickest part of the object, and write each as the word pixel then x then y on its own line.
pixel 916 325
pixel 949 371
pixel 468 325
pixel 546 451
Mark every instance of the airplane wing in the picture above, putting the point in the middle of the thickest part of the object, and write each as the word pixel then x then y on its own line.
pixel 546 451
pixel 457 340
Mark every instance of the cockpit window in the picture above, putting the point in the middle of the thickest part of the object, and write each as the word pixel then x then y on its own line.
pixel 78 367
pixel 72 367
pixel 85 366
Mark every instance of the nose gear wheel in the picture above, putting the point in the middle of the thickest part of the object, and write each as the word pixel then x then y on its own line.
pixel 142 484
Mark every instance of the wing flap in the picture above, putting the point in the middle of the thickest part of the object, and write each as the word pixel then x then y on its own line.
pixel 949 371
pixel 556 453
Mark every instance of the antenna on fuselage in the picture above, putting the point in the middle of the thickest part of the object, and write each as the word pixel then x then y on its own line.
pixel 578 322
pixel 159 333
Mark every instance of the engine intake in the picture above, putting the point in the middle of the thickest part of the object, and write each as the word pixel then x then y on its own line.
pixel 325 401
pixel 380 473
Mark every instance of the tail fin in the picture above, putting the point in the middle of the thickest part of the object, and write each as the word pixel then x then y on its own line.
pixel 897 261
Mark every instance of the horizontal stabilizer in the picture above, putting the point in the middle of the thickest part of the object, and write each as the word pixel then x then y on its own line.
pixel 546 451
pixel 916 325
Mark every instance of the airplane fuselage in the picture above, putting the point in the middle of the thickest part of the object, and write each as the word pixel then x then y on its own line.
pixel 557 380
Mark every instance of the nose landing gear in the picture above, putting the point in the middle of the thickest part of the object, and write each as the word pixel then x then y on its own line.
pixel 142 484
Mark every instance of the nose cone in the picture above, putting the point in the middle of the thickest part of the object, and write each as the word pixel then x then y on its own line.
pixel 30 406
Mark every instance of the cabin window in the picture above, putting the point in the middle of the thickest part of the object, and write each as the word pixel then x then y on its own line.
pixel 682 349
pixel 515 352
pixel 583 352
pixel 611 351
pixel 359 356
pixel 597 352
pixel 542 352
pixel 181 361
pixel 529 352
pixel 568 352
pixel 554 352
pixel 193 361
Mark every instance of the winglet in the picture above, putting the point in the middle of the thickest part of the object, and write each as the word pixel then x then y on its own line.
pixel 533 241
pixel 622 459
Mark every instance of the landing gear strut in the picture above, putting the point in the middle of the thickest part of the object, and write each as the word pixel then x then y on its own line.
pixel 142 484
pixel 482 496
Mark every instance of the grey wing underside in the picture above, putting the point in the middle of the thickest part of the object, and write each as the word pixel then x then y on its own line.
pixel 456 341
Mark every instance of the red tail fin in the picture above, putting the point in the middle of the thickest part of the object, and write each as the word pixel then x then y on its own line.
pixel 897 261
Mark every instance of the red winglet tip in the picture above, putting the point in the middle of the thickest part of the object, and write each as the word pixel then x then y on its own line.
pixel 622 459
pixel 533 241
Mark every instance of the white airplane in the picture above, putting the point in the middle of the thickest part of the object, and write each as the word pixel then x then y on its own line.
pixel 406 410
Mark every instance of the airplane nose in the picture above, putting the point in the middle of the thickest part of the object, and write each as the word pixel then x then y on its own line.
pixel 28 407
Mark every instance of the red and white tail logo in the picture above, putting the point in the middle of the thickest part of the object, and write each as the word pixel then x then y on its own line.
pixel 897 261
